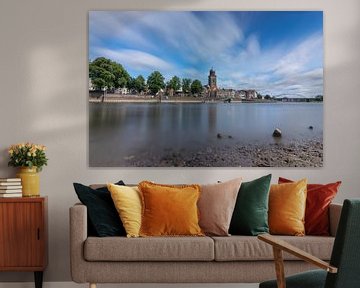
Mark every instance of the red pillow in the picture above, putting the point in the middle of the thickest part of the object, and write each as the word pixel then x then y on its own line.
pixel 319 197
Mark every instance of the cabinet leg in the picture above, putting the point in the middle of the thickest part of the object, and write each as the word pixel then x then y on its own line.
pixel 38 279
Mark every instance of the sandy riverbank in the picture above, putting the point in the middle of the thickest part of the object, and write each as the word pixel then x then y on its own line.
pixel 301 154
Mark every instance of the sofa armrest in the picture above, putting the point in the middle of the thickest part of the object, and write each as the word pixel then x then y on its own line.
pixel 334 217
pixel 78 235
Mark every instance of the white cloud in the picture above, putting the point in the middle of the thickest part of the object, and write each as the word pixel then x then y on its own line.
pixel 298 60
pixel 281 70
pixel 198 39
pixel 118 27
pixel 135 59
pixel 188 44
pixel 182 32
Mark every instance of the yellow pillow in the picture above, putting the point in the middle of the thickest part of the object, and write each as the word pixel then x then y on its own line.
pixel 127 201
pixel 287 204
pixel 169 210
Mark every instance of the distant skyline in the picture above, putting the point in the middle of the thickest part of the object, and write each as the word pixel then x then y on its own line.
pixel 275 52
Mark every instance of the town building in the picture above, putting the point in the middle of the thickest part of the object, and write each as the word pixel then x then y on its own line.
pixel 212 92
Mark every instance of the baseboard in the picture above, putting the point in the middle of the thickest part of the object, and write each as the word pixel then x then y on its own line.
pixel 74 285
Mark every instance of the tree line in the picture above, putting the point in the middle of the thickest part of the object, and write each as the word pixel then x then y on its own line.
pixel 106 74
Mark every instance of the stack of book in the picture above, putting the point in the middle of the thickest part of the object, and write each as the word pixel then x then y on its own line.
pixel 10 187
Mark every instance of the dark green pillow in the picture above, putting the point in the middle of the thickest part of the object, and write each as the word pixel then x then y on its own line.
pixel 250 216
pixel 103 218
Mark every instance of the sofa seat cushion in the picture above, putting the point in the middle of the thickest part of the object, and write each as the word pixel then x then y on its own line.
pixel 149 249
pixel 244 248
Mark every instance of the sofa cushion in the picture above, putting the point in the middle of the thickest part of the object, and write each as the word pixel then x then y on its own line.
pixel 216 206
pixel 318 199
pixel 102 216
pixel 287 204
pixel 169 210
pixel 244 248
pixel 149 249
pixel 250 215
pixel 127 201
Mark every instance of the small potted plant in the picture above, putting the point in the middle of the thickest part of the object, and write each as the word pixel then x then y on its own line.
pixel 30 158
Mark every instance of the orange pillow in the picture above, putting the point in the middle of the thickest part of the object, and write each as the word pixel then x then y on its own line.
pixel 287 204
pixel 319 197
pixel 169 210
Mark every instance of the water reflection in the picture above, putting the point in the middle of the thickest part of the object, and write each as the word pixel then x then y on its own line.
pixel 124 129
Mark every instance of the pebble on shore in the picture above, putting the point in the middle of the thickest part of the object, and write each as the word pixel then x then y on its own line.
pixel 277 133
pixel 298 154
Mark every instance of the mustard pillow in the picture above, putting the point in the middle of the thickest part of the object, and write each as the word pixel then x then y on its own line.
pixel 127 201
pixel 287 204
pixel 169 210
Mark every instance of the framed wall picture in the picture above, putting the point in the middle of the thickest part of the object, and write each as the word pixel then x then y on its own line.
pixel 205 88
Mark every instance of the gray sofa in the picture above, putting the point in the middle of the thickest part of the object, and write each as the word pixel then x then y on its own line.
pixel 234 259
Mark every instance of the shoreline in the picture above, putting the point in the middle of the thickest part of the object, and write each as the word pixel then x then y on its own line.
pixel 306 153
pixel 192 101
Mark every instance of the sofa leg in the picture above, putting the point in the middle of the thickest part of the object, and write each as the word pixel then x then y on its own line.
pixel 92 285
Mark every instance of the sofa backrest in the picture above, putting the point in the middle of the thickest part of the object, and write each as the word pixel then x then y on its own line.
pixel 346 252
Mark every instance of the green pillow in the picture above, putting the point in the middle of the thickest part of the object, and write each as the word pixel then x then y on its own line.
pixel 250 216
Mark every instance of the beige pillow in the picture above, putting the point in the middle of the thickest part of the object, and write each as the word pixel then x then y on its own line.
pixel 216 206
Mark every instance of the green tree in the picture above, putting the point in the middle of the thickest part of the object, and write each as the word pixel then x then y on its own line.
pixel 101 78
pixel 108 74
pixel 140 83
pixel 186 84
pixel 137 83
pixel 196 87
pixel 175 83
pixel 121 75
pixel 319 98
pixel 155 82
pixel 131 84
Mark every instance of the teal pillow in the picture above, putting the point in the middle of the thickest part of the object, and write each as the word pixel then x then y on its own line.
pixel 250 216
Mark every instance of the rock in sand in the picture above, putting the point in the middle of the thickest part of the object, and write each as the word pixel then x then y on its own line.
pixel 277 133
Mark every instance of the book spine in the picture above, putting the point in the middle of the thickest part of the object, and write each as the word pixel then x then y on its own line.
pixel 10 183
pixel 10 180
pixel 10 191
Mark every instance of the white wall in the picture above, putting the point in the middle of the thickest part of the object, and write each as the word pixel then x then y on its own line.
pixel 43 90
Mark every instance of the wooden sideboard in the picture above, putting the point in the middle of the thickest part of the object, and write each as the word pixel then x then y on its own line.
pixel 23 235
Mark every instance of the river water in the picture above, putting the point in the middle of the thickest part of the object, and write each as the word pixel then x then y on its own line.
pixel 119 131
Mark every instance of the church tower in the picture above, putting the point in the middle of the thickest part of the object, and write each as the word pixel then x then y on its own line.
pixel 212 84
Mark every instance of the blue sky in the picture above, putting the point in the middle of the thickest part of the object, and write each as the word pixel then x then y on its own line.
pixel 275 52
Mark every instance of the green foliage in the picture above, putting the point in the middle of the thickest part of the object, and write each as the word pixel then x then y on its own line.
pixel 319 98
pixel 196 87
pixel 155 82
pixel 137 83
pixel 107 74
pixel 175 83
pixel 186 84
pixel 27 155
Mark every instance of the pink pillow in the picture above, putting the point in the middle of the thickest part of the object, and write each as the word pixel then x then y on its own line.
pixel 216 205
